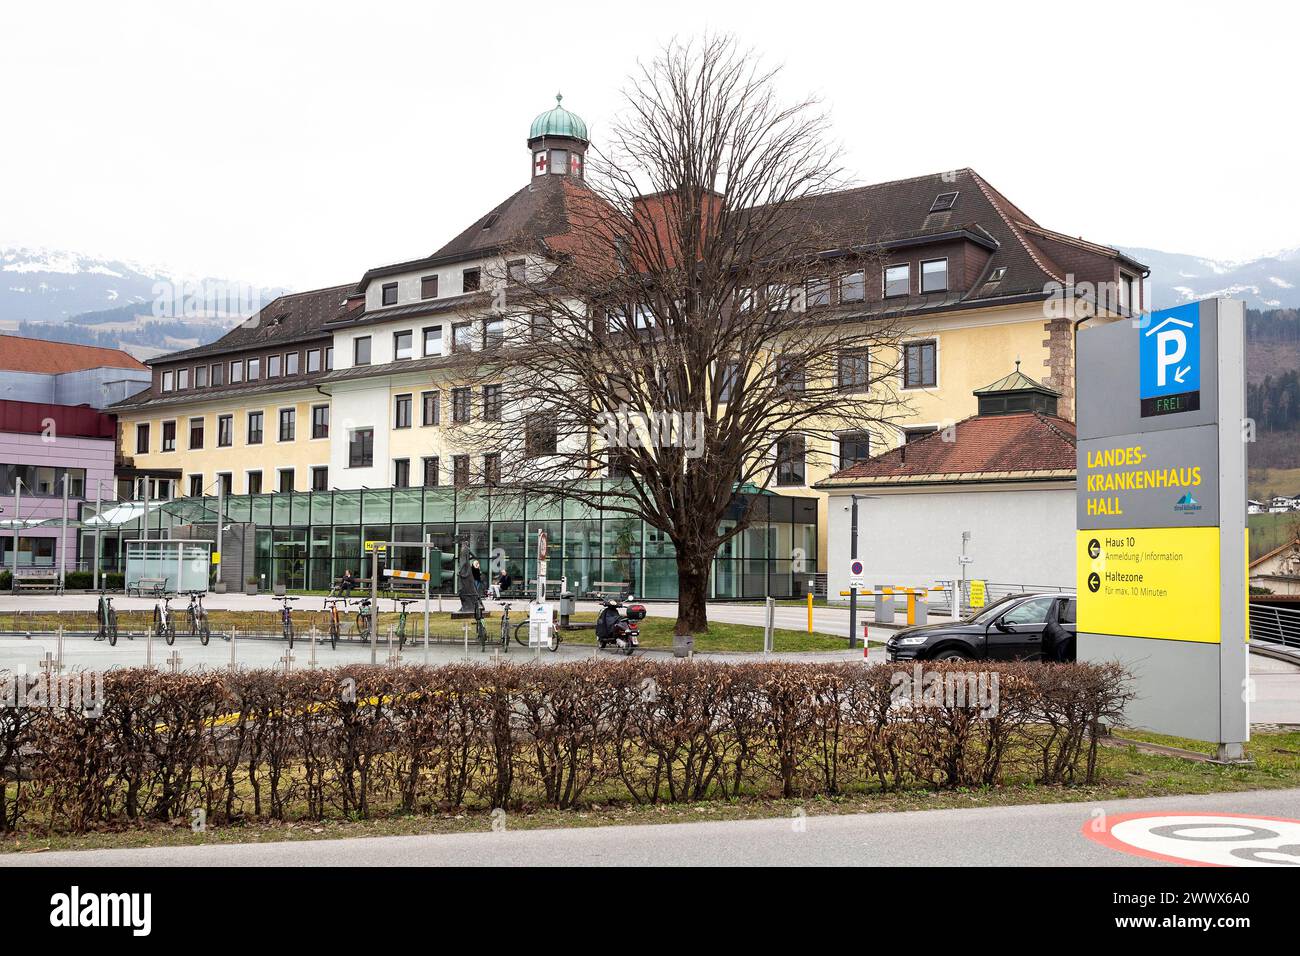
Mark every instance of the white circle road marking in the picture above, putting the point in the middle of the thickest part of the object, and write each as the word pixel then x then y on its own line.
pixel 1201 839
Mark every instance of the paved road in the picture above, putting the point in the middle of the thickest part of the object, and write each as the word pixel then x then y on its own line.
pixel 1039 835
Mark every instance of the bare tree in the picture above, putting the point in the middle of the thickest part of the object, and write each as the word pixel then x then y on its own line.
pixel 682 335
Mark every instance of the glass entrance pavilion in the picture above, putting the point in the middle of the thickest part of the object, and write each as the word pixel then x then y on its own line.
pixel 306 540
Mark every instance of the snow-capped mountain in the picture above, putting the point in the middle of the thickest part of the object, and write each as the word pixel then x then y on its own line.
pixel 50 285
pixel 1269 282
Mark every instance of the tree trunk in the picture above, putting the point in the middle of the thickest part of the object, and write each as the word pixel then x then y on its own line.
pixel 692 593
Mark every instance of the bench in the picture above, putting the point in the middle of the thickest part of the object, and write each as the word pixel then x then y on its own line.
pixel 148 587
pixel 603 589
pixel 37 579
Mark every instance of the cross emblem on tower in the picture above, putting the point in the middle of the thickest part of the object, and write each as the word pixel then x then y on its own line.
pixel 539 167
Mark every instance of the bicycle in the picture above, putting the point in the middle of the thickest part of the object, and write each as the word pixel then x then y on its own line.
pixel 401 620
pixel 198 615
pixel 162 620
pixel 107 618
pixel 363 617
pixel 286 618
pixel 522 635
pixel 336 619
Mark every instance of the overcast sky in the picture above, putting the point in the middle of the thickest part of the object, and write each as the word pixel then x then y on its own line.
pixel 298 144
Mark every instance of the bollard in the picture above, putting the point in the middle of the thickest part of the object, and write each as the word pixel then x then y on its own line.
pixel 920 607
pixel 234 659
pixel 810 612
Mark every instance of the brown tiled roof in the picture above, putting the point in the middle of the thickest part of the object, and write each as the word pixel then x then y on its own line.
pixel 543 211
pixel 21 354
pixel 985 448
pixel 287 318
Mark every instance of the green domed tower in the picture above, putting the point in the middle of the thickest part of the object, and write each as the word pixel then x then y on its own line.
pixel 558 142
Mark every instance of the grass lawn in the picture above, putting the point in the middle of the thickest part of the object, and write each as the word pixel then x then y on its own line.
pixel 1125 770
pixel 655 631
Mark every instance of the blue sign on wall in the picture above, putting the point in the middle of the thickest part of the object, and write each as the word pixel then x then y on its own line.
pixel 1169 361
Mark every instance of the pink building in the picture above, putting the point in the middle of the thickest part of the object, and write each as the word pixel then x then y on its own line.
pixel 41 445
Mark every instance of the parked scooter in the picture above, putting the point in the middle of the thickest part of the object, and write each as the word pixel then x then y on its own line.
pixel 615 629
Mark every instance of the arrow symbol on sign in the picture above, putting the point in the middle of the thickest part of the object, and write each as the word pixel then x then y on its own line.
pixel 1181 373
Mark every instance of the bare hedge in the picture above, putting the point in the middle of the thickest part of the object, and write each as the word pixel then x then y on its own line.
pixel 357 742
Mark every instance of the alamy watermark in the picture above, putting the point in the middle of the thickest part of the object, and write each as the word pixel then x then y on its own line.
pixel 950 689
pixel 79 690
pixel 631 429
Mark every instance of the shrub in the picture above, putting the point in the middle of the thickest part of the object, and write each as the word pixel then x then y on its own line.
pixel 358 741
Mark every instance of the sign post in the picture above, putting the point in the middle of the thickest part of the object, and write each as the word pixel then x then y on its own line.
pixel 1161 516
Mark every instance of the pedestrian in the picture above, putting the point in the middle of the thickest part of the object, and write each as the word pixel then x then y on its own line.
pixel 347 583
pixel 477 575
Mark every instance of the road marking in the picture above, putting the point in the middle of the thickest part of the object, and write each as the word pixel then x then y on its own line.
pixel 1201 839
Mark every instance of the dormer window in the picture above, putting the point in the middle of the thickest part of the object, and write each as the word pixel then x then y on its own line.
pixel 389 293
pixel 934 276
pixel 898 280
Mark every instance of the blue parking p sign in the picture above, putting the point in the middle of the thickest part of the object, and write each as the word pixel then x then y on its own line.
pixel 1169 361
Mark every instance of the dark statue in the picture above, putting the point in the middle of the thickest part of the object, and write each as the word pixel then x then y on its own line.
pixel 470 601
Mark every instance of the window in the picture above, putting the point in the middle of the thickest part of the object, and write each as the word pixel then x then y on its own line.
pixel 1033 611
pixel 789 460
pixel 854 447
pixel 462 336
pixel 470 279
pixel 389 293
pixel 286 480
pixel 142 439
pixel 361 350
pixel 818 291
pixel 361 448
pixel 898 280
pixel 916 434
pixel 559 161
pixel 196 434
pixel 934 275
pixel 288 423
pixel 254 369
pixel 218 374
pixel 492 403
pixel 320 421
pixel 291 363
pixel 402 411
pixel 730 378
pixel 403 345
pixel 460 470
pixel 273 366
pixel 433 340
pixel 460 405
pixel 492 468
pixel 401 472
pixel 169 436
pixel 516 271
pixel 168 381
pixel 430 472
pixel 855 370
pixel 201 376
pixel 182 378
pixel 320 478
pixel 943 201
pixel 196 486
pixel 853 287
pixel 313 360
pixel 919 365
pixel 541 438
pixel 255 428
pixel 541 327
pixel 429 287
pixel 225 431
pixel 329 358
pixel 254 482
pixel 494 333
pixel 431 408
pixel 236 372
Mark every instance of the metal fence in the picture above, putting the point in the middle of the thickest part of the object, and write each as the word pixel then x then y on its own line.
pixel 1280 625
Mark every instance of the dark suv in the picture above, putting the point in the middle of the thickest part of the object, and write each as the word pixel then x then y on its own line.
pixel 1011 629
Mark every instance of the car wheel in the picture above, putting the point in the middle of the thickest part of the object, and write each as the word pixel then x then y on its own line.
pixel 951 654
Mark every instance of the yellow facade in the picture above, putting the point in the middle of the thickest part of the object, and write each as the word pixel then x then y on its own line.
pixel 240 457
